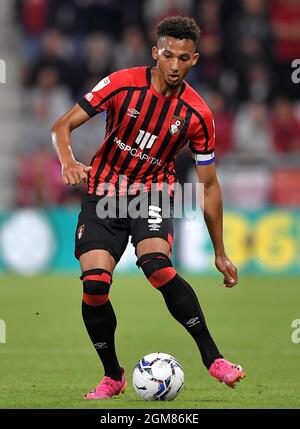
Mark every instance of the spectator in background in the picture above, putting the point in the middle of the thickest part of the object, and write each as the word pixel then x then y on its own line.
pixel 97 58
pixel 39 179
pixel 48 98
pixel 33 18
pixel 209 68
pixel 285 21
pixel 224 123
pixel 248 38
pixel 55 52
pixel 156 10
pixel 98 15
pixel 252 132
pixel 258 83
pixel 42 104
pixel 285 127
pixel 91 139
pixel 133 14
pixel 132 50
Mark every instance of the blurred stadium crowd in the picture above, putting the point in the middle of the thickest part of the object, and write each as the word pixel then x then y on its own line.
pixel 244 73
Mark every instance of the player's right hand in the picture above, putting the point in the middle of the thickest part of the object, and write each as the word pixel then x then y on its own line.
pixel 75 173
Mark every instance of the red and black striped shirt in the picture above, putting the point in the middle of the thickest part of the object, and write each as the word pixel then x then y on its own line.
pixel 145 130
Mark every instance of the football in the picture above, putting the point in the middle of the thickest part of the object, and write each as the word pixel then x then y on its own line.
pixel 158 377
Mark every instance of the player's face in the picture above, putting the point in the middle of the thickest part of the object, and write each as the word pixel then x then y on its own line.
pixel 174 58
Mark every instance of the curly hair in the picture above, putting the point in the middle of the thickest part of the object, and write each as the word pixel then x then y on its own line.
pixel 180 27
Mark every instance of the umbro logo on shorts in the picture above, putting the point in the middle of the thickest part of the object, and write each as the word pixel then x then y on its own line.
pixel 154 218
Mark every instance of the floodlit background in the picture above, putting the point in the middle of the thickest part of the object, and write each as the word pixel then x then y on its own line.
pixel 54 51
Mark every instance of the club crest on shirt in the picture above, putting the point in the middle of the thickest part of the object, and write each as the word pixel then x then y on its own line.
pixel 176 124
pixel 80 231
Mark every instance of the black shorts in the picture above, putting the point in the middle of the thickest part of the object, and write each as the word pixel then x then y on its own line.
pixel 112 233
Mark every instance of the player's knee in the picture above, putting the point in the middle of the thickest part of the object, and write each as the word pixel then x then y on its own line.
pixel 96 285
pixel 158 268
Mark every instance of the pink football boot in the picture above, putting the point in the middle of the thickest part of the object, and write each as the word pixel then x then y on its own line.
pixel 108 388
pixel 226 372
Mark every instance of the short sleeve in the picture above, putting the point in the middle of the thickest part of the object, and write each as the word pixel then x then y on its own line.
pixel 202 143
pixel 100 97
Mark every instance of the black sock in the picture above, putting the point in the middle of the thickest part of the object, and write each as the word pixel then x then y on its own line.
pixel 184 306
pixel 100 322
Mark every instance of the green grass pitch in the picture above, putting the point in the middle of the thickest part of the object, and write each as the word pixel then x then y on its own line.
pixel 49 362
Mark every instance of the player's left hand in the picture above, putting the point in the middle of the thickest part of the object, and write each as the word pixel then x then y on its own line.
pixel 226 267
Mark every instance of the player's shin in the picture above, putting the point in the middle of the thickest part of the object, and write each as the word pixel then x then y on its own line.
pixel 99 319
pixel 181 301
